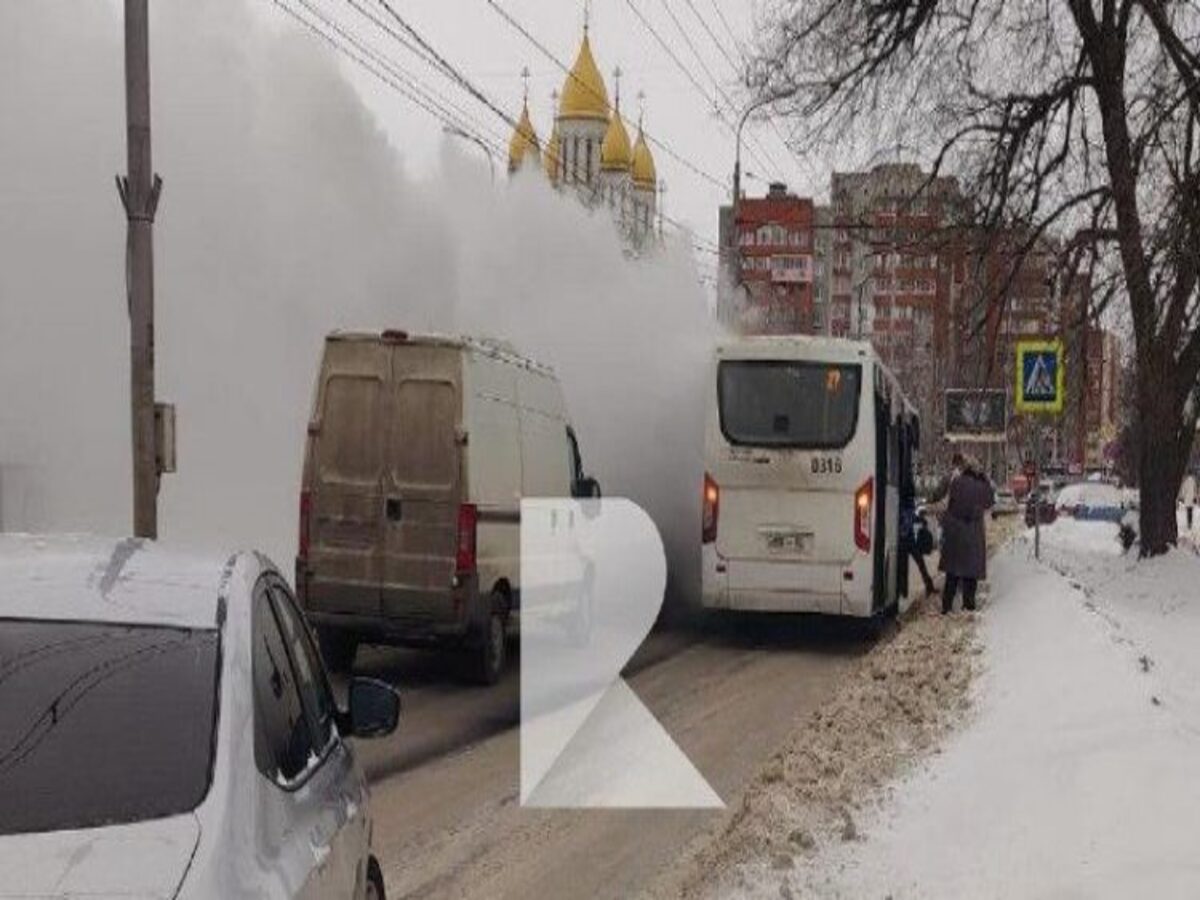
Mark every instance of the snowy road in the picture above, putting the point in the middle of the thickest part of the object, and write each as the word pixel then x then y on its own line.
pixel 443 712
pixel 452 827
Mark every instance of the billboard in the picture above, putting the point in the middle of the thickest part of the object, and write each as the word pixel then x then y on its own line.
pixel 974 414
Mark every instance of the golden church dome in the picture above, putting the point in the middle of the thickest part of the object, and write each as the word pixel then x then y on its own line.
pixel 615 152
pixel 552 158
pixel 524 142
pixel 584 95
pixel 644 174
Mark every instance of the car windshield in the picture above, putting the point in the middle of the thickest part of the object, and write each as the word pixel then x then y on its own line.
pixel 776 403
pixel 103 724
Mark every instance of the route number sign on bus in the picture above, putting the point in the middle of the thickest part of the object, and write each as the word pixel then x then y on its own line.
pixel 1041 377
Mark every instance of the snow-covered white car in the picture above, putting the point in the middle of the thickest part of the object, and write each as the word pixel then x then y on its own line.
pixel 1006 504
pixel 1091 501
pixel 167 730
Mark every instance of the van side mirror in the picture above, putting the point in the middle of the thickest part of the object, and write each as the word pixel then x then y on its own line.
pixel 374 709
pixel 586 488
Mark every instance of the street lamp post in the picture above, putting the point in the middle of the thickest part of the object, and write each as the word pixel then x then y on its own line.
pixel 735 235
pixel 858 290
pixel 737 158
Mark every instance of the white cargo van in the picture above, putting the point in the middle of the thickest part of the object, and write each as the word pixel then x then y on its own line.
pixel 420 448
pixel 807 441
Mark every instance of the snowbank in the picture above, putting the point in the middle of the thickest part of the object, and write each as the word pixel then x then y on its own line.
pixel 891 710
pixel 1078 538
pixel 1152 606
pixel 1080 774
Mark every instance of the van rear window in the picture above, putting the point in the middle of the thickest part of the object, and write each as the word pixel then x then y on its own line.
pixel 787 403
pixel 349 447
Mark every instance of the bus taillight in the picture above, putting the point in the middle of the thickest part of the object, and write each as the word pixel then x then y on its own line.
pixel 863 498
pixel 712 503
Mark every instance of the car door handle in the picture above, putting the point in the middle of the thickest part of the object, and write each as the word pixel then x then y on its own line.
pixel 393 509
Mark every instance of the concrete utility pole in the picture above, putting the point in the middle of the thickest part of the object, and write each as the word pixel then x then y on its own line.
pixel 139 192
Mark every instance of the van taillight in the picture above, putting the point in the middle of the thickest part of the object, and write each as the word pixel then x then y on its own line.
pixel 468 519
pixel 712 507
pixel 305 517
pixel 863 498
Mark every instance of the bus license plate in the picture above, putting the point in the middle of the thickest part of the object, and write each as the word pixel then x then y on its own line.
pixel 787 542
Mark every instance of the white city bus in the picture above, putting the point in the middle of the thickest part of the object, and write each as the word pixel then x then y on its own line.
pixel 807 445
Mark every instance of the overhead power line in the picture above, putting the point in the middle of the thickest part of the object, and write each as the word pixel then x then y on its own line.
pixel 413 48
pixel 733 64
pixel 448 67
pixel 752 144
pixel 354 51
pixel 737 69
pixel 442 108
pixel 725 22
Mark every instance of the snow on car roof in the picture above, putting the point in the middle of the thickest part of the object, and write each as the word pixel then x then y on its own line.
pixel 127 581
pixel 1090 493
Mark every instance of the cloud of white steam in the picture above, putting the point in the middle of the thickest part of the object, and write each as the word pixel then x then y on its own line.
pixel 285 214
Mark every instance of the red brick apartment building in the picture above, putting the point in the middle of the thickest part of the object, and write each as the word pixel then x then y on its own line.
pixel 771 244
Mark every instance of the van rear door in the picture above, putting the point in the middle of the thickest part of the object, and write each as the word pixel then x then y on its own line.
pixel 787 470
pixel 346 480
pixel 423 481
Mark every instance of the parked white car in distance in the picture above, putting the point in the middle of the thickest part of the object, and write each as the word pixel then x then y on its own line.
pixel 1006 504
pixel 167 730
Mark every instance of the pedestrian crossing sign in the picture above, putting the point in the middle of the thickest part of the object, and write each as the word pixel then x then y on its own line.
pixel 1040 377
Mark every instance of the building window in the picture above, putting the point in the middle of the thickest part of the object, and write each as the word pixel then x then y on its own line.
pixel 588 170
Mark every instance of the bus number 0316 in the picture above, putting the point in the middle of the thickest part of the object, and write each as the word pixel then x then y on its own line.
pixel 827 465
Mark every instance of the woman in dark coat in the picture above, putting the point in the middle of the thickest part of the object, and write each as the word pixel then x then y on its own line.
pixel 964 542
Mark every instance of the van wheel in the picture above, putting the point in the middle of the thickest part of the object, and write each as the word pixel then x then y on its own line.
pixel 490 655
pixel 337 649
pixel 375 889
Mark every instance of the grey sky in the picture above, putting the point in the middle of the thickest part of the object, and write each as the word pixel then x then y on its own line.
pixel 475 38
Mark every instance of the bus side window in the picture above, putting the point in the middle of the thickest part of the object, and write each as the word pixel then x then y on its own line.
pixel 893 452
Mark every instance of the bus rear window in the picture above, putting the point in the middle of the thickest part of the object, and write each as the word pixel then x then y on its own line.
pixel 786 403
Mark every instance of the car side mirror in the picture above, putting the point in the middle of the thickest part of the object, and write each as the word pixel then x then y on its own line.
pixel 587 488
pixel 374 709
